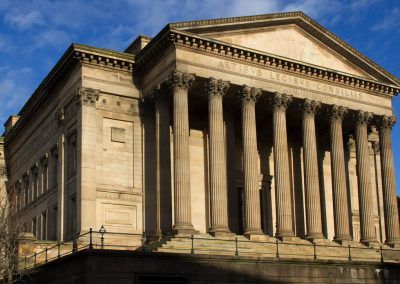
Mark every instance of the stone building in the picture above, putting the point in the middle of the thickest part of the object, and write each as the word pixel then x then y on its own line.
pixel 263 126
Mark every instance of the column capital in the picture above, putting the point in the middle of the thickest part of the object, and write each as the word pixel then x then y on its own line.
pixel 181 80
pixel 337 113
pixel 362 117
pixel 309 107
pixel 385 122
pixel 159 95
pixel 249 94
pixel 281 101
pixel 86 96
pixel 215 87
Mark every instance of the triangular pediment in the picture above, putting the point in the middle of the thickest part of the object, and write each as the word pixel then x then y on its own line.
pixel 293 43
pixel 294 36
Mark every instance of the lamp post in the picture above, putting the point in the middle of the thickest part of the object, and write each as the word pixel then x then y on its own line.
pixel 102 231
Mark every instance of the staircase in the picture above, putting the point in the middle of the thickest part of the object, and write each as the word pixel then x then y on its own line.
pixel 204 244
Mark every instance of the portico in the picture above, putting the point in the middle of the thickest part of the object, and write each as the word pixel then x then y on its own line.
pixel 295 127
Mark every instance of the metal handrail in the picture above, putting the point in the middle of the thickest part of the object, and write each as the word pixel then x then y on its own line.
pixel 146 238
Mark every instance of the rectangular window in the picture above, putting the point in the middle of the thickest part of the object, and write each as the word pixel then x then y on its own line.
pixel 26 190
pixel 44 176
pixel 44 226
pixel 55 223
pixel 34 226
pixel 72 155
pixel 54 167
pixel 72 224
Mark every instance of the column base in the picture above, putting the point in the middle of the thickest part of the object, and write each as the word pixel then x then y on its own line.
pixel 220 232
pixel 394 243
pixel 285 236
pixel 252 234
pixel 317 237
pixel 370 242
pixel 184 229
pixel 343 240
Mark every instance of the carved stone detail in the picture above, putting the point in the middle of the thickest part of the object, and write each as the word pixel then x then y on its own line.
pixel 86 96
pixel 309 107
pixel 281 101
pixel 180 80
pixel 249 94
pixel 362 117
pixel 386 122
pixel 216 87
pixel 337 112
pixel 59 115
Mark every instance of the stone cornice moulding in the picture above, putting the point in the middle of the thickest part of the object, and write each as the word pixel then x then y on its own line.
pixel 76 53
pixel 169 37
pixel 297 17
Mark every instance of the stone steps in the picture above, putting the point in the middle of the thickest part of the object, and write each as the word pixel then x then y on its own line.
pixel 296 248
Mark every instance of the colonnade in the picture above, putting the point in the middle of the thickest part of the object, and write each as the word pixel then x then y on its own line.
pixel 179 84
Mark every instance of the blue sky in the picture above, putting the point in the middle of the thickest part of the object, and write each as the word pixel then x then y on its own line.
pixel 34 34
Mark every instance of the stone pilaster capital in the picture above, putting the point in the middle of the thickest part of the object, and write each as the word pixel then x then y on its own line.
pixel 280 101
pixel 159 95
pixel 385 122
pixel 309 107
pixel 181 80
pixel 337 113
pixel 216 87
pixel 249 94
pixel 86 96
pixel 59 115
pixel 44 159
pixel 362 117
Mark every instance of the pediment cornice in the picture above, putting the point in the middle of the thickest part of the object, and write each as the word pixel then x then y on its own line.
pixel 153 51
pixel 204 27
pixel 76 53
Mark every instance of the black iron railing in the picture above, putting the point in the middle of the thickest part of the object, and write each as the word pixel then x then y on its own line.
pixel 195 244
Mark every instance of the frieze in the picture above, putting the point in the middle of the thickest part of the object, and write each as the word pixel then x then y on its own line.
pixel 119 196
pixel 289 80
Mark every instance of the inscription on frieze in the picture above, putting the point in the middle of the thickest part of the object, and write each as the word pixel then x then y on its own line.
pixel 284 83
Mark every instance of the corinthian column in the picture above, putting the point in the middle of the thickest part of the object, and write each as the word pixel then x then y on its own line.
pixel 339 190
pixel 281 167
pixel 311 178
pixel 385 125
pixel 216 89
pixel 179 83
pixel 163 161
pixel 364 178
pixel 252 224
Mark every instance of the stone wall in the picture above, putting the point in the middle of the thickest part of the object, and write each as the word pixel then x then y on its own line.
pixel 136 267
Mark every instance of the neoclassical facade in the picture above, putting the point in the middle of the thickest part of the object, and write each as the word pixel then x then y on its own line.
pixel 264 126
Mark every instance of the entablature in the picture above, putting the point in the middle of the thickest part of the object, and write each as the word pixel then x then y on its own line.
pixel 148 57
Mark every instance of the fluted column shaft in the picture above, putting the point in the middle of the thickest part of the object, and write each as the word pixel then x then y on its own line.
pixel 388 180
pixel 311 178
pixel 216 89
pixel 284 226
pixel 339 189
pixel 252 224
pixel 364 178
pixel 163 163
pixel 180 83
